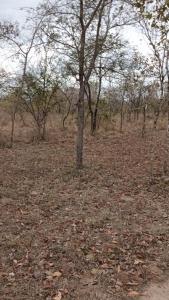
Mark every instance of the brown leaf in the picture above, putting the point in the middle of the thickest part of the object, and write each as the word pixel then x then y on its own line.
pixel 138 262
pixel 58 296
pixel 133 294
pixel 57 274
pixel 118 269
pixel 34 193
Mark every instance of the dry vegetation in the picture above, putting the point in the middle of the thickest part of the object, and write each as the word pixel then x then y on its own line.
pixel 99 233
pixel 84 147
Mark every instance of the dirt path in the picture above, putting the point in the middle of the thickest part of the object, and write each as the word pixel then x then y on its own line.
pixel 157 292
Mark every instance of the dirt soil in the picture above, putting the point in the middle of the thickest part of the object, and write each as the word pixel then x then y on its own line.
pixel 100 233
pixel 157 292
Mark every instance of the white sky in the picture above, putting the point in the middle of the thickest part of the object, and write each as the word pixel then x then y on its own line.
pixel 10 10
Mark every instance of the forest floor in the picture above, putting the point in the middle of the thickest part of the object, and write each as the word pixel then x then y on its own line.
pixel 101 233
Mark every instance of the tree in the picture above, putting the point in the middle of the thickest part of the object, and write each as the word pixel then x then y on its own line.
pixel 107 62
pixel 94 94
pixel 85 29
pixel 40 97
pixel 153 18
pixel 8 29
pixel 22 48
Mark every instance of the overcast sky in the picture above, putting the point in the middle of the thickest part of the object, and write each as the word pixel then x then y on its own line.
pixel 10 10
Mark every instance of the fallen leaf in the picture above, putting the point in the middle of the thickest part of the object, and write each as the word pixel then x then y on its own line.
pixel 57 274
pixel 11 274
pixel 34 193
pixel 138 261
pixel 49 275
pixel 89 281
pixel 105 266
pixel 50 278
pixel 133 294
pixel 90 256
pixel 58 296
pixel 133 283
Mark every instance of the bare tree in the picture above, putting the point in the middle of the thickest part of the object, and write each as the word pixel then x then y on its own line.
pixel 13 37
pixel 153 18
pixel 40 90
pixel 85 28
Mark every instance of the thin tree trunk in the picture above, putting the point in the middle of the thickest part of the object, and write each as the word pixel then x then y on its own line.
pixel 67 114
pixel 129 116
pixel 156 117
pixel 22 119
pixel 94 117
pixel 43 137
pixel 91 122
pixel 168 113
pixel 144 121
pixel 89 97
pixel 135 114
pixel 13 117
pixel 167 71
pixel 80 104
pixel 121 116
pixel 94 121
pixel 80 128
pixel 84 78
pixel 86 118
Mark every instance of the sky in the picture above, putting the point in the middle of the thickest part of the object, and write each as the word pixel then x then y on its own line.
pixel 10 10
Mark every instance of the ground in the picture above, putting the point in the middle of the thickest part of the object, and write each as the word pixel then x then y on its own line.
pixel 100 233
pixel 156 291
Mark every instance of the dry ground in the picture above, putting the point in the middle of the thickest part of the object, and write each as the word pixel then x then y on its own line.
pixel 158 291
pixel 101 233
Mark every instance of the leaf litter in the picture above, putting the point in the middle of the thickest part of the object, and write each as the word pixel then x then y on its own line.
pixel 98 233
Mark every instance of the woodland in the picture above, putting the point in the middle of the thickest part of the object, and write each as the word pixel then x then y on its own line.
pixel 84 149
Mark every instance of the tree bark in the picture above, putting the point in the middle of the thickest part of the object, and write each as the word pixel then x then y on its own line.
pixel 13 116
pixel 156 117
pixel 80 128
pixel 144 121
pixel 80 104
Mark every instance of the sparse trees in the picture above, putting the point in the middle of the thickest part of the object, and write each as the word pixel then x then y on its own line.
pixel 83 30
pixel 82 38
pixel 22 48
pixel 40 87
pixel 153 18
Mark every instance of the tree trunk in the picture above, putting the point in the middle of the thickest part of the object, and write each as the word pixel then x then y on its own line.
pixel 13 116
pixel 167 71
pixel 80 128
pixel 135 115
pixel 89 98
pixel 91 122
pixel 94 121
pixel 41 130
pixel 168 113
pixel 129 116
pixel 156 117
pixel 43 136
pixel 121 116
pixel 67 114
pixel 144 122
